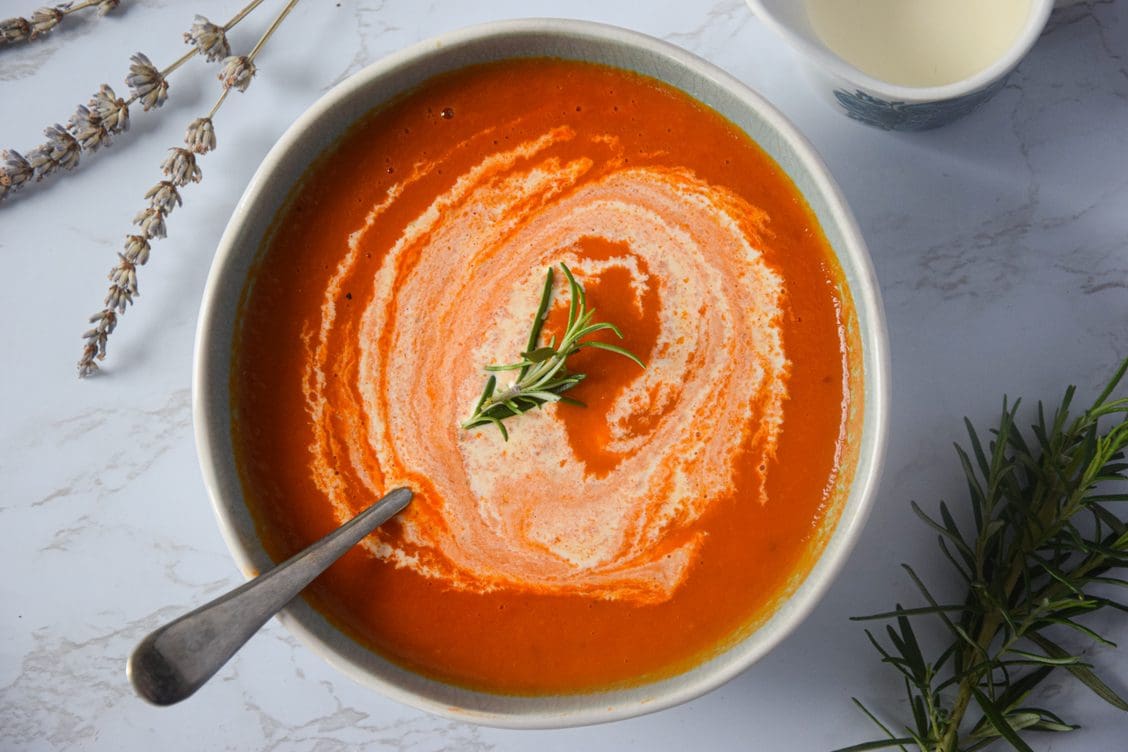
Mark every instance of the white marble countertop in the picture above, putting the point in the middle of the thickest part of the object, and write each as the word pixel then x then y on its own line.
pixel 1001 247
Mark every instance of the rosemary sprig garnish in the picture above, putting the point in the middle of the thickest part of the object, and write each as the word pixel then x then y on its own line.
pixel 542 375
pixel 1043 552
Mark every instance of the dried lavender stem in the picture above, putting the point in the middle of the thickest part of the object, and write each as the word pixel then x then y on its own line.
pixel 107 5
pixel 181 61
pixel 218 103
pixel 80 6
pixel 90 127
pixel 241 15
pixel 180 169
pixel 271 29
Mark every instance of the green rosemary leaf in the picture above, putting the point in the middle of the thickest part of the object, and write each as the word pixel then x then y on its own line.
pixel 978 496
pixel 519 365
pixel 1106 517
pixel 1021 688
pixel 542 310
pixel 889 658
pixel 920 714
pixel 958 630
pixel 1045 725
pixel 985 465
pixel 615 349
pixel 952 532
pixel 1111 498
pixel 1114 382
pixel 574 305
pixel 1050 721
pixel 491 383
pixel 500 427
pixel 1042 660
pixel 892 741
pixel 1081 672
pixel 880 744
pixel 908 612
pixel 539 355
pixel 965 574
pixel 1022 719
pixel 999 721
pixel 545 396
pixel 910 648
pixel 1056 574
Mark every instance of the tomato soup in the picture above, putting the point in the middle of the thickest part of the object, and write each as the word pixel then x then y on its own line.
pixel 600 545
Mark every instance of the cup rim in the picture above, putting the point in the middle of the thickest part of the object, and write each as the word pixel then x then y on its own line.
pixel 211 415
pixel 1035 23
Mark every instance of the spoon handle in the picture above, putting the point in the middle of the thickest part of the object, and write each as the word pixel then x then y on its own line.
pixel 175 660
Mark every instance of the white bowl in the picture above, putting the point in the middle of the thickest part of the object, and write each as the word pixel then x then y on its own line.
pixel 891 106
pixel 318 128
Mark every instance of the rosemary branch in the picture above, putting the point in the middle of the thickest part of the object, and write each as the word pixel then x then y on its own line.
pixel 180 169
pixel 1044 537
pixel 542 375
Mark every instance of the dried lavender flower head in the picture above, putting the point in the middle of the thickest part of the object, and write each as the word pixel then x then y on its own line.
pixel 180 167
pixel 209 39
pixel 45 19
pixel 237 72
pixel 14 30
pixel 152 223
pixel 164 197
pixel 60 150
pixel 104 322
pixel 124 275
pixel 105 6
pixel 110 109
pixel 88 129
pixel 200 136
pixel 14 172
pixel 14 169
pixel 146 82
pixel 136 249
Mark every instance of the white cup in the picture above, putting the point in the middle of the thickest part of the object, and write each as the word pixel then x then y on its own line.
pixel 888 105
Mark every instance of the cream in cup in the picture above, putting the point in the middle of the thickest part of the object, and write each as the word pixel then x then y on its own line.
pixel 908 64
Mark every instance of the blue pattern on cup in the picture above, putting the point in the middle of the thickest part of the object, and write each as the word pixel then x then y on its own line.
pixel 912 116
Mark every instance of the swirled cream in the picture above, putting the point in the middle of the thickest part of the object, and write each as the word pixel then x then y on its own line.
pixel 459 289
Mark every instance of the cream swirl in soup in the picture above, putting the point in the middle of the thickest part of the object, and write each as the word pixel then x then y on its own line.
pixel 529 512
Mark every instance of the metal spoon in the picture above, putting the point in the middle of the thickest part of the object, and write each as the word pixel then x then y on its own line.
pixel 174 661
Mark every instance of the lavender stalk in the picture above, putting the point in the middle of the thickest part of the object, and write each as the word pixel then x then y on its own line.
pixel 93 125
pixel 180 168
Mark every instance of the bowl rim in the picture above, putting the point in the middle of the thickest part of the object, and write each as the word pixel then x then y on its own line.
pixel 825 58
pixel 842 536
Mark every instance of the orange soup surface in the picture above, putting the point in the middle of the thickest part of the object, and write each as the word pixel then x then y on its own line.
pixel 599 546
